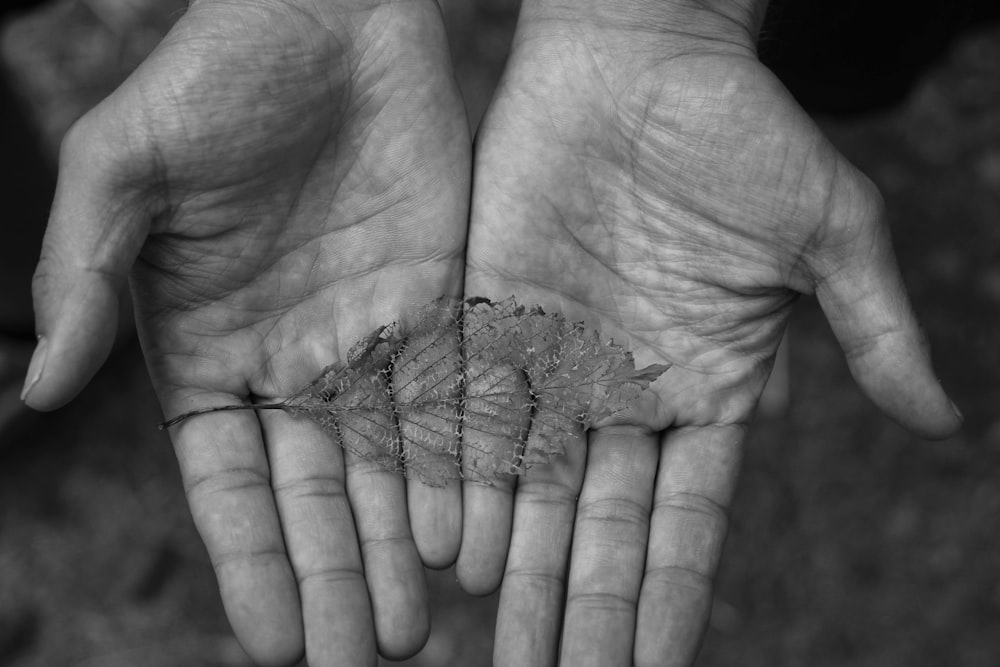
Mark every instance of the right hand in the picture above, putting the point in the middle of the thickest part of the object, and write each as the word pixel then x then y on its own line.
pixel 278 178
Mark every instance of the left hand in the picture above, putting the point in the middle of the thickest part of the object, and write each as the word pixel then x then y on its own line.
pixel 667 190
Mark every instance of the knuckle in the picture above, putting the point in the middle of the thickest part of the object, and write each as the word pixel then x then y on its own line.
pixel 690 578
pixel 604 603
pixel 323 487
pixel 855 213
pixel 694 505
pixel 329 575
pixel 546 496
pixel 851 224
pixel 615 513
pixel 224 559
pixel 535 579
pixel 700 525
pixel 224 481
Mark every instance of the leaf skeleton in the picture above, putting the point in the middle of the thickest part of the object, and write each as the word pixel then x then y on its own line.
pixel 477 389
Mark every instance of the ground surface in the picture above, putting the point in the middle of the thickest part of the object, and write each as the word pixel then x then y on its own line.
pixel 852 543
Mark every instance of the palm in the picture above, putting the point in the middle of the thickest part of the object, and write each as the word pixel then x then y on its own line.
pixel 652 211
pixel 293 179
pixel 676 198
pixel 299 214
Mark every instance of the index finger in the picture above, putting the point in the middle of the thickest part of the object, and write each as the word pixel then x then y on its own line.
pixel 694 486
pixel 227 480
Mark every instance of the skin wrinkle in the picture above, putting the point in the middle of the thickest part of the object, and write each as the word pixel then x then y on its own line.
pixel 505 489
pixel 193 385
pixel 306 294
pixel 555 494
pixel 296 203
pixel 688 501
pixel 660 27
pixel 157 196
pixel 154 257
pixel 329 575
pixel 816 238
pixel 677 199
pixel 311 486
pixel 195 271
pixel 700 313
pixel 385 543
pixel 224 480
pixel 863 346
pixel 541 578
pixel 710 370
pixel 604 601
pixel 634 431
pixel 571 233
pixel 698 580
pixel 843 235
pixel 609 513
pixel 176 387
pixel 224 559
pixel 740 23
pixel 737 247
pixel 231 319
pixel 178 103
pixel 599 258
pixel 701 559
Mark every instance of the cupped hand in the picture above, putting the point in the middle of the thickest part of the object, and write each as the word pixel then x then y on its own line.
pixel 277 179
pixel 665 189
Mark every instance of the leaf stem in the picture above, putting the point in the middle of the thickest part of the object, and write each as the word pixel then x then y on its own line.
pixel 221 408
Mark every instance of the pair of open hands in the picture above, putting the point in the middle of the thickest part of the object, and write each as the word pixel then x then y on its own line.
pixel 281 177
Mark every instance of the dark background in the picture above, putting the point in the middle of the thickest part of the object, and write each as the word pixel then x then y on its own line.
pixel 851 542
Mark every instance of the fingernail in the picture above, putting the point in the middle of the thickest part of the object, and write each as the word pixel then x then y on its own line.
pixel 958 413
pixel 36 366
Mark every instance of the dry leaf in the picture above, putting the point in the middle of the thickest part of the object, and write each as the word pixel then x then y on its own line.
pixel 478 390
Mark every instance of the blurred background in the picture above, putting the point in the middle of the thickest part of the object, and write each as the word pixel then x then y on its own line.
pixel 851 542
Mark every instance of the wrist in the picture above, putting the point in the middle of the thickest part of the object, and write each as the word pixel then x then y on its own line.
pixel 328 12
pixel 734 23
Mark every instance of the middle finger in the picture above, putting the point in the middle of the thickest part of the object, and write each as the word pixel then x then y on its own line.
pixel 534 583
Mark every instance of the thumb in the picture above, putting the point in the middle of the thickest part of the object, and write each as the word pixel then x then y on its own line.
pixel 90 244
pixel 865 301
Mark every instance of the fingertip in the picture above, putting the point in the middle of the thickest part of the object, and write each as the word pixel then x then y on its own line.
pixel 487 523
pixel 957 414
pixel 944 422
pixel 940 423
pixel 268 649
pixel 476 578
pixel 436 521
pixel 897 375
pixel 71 349
pixel 406 644
pixel 265 618
pixel 436 555
pixel 35 367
